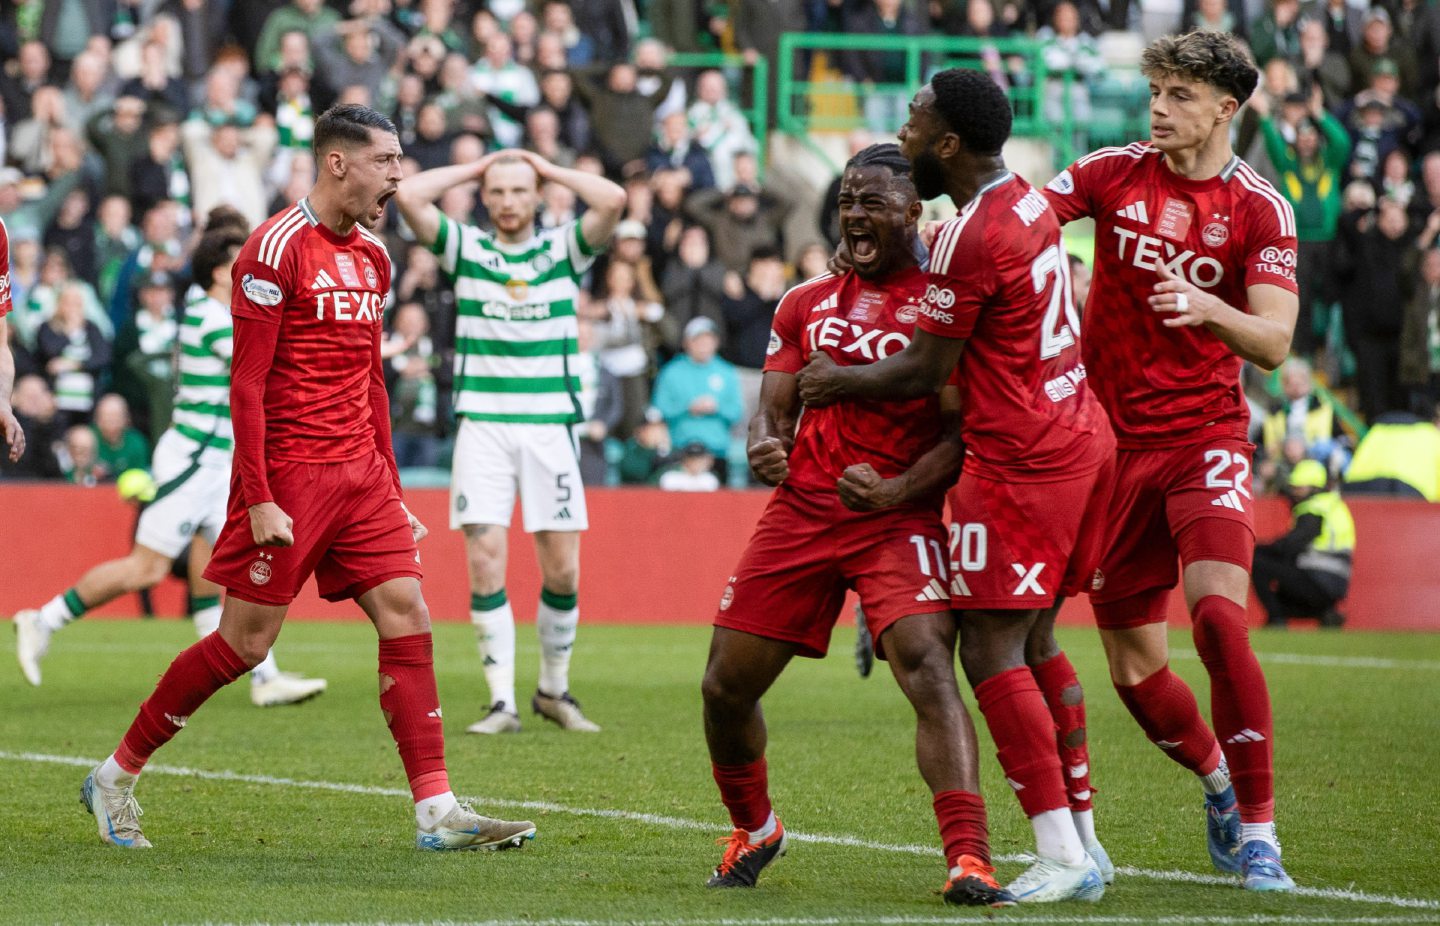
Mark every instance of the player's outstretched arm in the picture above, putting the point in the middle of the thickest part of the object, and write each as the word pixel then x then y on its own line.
pixel 605 201
pixel 772 430
pixel 14 435
pixel 862 489
pixel 416 196
pixel 1261 336
pixel 918 370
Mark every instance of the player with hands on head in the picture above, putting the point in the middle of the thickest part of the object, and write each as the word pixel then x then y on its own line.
pixel 999 315
pixel 315 486
pixel 517 397
pixel 859 487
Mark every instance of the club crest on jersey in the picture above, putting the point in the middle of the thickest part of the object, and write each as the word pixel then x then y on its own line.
pixel 543 263
pixel 728 597
pixel 1215 234
pixel 517 289
pixel 1097 581
pixel 260 292
pixel 907 313
pixel 4 285
pixel 260 571
pixel 372 279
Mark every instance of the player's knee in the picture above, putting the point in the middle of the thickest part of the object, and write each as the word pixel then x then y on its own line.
pixel 722 695
pixel 928 679
pixel 562 580
pixel 146 572
pixel 252 647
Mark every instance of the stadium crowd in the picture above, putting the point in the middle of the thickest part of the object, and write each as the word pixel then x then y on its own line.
pixel 126 123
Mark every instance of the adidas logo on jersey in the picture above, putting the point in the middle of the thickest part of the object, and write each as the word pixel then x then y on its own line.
pixel 1246 735
pixel 933 592
pixel 1230 499
pixel 323 281
pixel 563 514
pixel 1135 212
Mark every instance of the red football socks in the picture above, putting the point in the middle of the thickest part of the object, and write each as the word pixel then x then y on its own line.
pixel 411 706
pixel 745 792
pixel 1024 737
pixel 195 675
pixel 963 828
pixel 1166 710
pixel 1239 704
pixel 1059 684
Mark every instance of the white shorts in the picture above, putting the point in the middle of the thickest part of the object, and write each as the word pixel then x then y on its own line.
pixel 492 459
pixel 190 496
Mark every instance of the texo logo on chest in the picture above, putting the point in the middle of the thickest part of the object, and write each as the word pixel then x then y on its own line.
pixel 346 306
pixel 850 338
pixel 1147 253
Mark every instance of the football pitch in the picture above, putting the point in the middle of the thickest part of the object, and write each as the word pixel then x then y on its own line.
pixel 300 814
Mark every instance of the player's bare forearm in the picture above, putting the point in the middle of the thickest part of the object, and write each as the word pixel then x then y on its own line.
pixel 605 201
pixel 1261 336
pixel 772 430
pixel 415 197
pixel 918 370
pixel 862 489
pixel 1262 341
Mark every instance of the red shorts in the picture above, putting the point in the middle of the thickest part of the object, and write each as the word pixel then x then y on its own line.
pixel 808 549
pixel 1174 504
pixel 1016 546
pixel 350 531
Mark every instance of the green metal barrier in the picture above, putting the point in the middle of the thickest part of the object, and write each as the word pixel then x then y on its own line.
pixel 923 56
pixel 758 112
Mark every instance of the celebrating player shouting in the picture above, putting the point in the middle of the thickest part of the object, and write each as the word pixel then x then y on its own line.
pixel 315 486
pixel 1036 478
pixel 1194 271
pixel 880 534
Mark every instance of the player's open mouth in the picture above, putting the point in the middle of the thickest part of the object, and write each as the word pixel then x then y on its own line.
pixel 863 246
pixel 384 198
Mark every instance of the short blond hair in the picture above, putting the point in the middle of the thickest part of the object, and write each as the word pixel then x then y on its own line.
pixel 1214 58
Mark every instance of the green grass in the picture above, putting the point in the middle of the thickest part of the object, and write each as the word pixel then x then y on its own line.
pixel 1356 787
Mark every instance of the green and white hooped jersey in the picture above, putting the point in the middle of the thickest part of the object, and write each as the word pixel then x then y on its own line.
pixel 202 401
pixel 515 325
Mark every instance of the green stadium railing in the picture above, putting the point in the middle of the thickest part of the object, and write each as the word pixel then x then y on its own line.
pixel 758 112
pixel 923 56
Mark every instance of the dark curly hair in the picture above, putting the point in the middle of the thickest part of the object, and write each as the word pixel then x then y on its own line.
pixel 1214 58
pixel 974 107
pixel 885 155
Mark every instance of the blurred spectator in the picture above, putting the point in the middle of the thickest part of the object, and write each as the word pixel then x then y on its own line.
pixel 610 24
pixel 28 72
pixel 652 74
pixel 73 233
pixel 1377 44
pixel 34 406
pixel 74 353
pixel 420 282
pixel 30 139
pixel 55 275
pixel 465 110
pixel 357 52
pixel 601 406
pixel 24 273
pixel 559 20
pixel 1319 64
pixel 1306 573
pixel 159 172
pixel 1213 16
pixel 119 447
pixel 698 392
pixel 222 101
pixel 1275 33
pixel 1278 95
pixel 498 77
pixel 29 218
pixel 1399 456
pixel 411 367
pixel 694 283
pixel 311 17
pixel 155 86
pixel 814 261
pixel 680 24
pixel 542 136
pixel 646 451
pixel 758 25
pixel 884 109
pixel 1379 121
pixel 1394 181
pixel 748 307
pixel 695 471
pixel 557 91
pixel 144 351
pixel 621 117
pixel 739 222
pixel 90 91
pixel 227 166
pixel 1068 53
pixel 1420 335
pixel 1342 22
pixel 719 126
pixel 1301 413
pixel 523 30
pixel 676 149
pixel 1372 257
pixel 431 146
pixel 1310 167
pixel 120 137
pixel 79 460
pixel 557 204
pixel 160 250
pixel 1427 196
pixel 624 326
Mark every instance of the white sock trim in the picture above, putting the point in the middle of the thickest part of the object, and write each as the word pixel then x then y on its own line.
pixel 766 831
pixel 495 639
pixel 1264 831
pixel 1218 780
pixel 432 810
pixel 111 775
pixel 1056 838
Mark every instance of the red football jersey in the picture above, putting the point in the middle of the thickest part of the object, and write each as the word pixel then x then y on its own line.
pixel 854 321
pixel 327 293
pixel 5 301
pixel 1000 279
pixel 1171 386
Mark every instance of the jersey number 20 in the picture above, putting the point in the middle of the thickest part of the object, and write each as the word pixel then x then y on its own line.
pixel 1055 335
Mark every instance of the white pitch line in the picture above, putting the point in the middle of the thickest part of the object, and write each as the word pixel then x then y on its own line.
pixel 1017 916
pixel 1338 662
pixel 679 823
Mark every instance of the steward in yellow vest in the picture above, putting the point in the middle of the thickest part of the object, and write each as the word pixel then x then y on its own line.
pixel 1306 573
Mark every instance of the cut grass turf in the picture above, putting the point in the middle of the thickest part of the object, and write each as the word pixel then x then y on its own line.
pixel 1357 792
